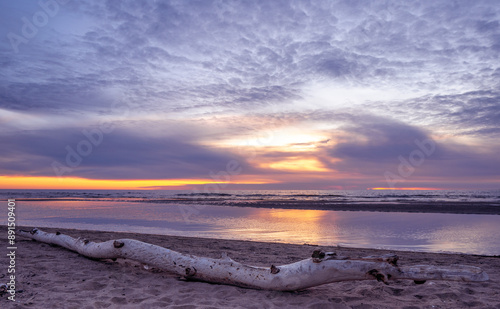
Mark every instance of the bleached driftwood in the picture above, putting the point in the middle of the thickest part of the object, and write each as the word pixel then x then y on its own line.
pixel 321 268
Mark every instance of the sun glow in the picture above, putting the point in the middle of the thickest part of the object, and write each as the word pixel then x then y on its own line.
pixel 296 164
pixel 289 137
pixel 19 182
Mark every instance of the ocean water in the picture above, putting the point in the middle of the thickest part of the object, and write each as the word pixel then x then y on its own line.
pixel 207 215
pixel 344 196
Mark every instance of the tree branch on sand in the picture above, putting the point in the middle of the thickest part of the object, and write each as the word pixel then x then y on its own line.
pixel 321 268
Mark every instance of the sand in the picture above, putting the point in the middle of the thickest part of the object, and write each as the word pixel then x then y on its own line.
pixel 53 277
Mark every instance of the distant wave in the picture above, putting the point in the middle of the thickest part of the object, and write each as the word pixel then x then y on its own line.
pixel 344 196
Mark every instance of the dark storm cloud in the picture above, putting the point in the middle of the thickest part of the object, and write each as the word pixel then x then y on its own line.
pixel 375 145
pixel 371 145
pixel 382 140
pixel 120 155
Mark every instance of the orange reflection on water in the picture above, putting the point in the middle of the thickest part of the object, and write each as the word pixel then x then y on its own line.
pixel 309 222
pixel 310 216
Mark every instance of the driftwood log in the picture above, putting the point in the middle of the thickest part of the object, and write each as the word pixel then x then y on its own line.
pixel 321 268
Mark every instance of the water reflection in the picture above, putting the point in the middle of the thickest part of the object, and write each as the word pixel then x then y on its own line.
pixel 409 231
pixel 303 226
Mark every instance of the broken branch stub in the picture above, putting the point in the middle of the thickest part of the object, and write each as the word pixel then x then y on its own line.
pixel 321 268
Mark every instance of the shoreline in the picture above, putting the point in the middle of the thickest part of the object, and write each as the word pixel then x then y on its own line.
pixel 475 208
pixel 76 281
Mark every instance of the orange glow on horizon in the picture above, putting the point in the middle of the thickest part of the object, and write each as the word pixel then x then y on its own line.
pixel 296 164
pixel 75 183
pixel 412 188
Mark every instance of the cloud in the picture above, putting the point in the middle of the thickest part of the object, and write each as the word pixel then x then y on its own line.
pixel 121 154
pixel 371 145
pixel 474 113
pixel 240 60
pixel 374 146
pixel 182 55
pixel 377 140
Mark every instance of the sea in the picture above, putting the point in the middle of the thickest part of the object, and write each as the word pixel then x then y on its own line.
pixel 196 213
pixel 347 196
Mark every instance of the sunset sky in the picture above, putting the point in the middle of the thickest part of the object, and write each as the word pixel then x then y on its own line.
pixel 249 94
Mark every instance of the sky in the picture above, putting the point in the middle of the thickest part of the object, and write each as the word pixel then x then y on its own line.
pixel 213 95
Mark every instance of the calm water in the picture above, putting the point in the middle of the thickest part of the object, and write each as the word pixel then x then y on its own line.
pixel 348 196
pixel 475 234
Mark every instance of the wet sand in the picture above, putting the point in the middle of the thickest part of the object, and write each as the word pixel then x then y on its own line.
pixel 53 277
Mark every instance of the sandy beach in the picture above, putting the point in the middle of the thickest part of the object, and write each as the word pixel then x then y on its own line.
pixel 53 277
